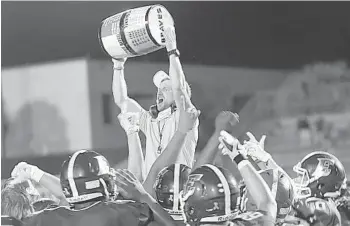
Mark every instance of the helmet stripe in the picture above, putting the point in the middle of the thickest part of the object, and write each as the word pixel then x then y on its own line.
pixel 176 186
pixel 225 186
pixel 274 185
pixel 71 181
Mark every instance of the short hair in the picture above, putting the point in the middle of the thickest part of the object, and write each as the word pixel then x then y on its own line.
pixel 25 186
pixel 15 203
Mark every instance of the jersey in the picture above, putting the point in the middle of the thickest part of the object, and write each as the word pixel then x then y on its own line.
pixel 158 134
pixel 325 211
pixel 10 221
pixel 251 218
pixel 121 213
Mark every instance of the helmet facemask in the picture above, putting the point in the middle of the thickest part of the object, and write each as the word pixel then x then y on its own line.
pixel 301 182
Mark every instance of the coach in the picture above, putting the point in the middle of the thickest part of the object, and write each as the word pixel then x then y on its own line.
pixel 160 122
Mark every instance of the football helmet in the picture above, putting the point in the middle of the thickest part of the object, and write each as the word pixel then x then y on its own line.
pixel 169 183
pixel 86 175
pixel 211 194
pixel 320 174
pixel 281 187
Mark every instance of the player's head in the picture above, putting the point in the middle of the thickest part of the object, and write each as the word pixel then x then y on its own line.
pixel 23 185
pixel 16 202
pixel 169 183
pixel 165 96
pixel 320 175
pixel 282 189
pixel 211 195
pixel 86 176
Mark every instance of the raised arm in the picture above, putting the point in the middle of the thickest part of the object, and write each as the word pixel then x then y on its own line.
pixel 177 76
pixel 130 123
pixel 188 118
pixel 131 188
pixel 25 171
pixel 120 90
pixel 257 187
pixel 225 120
pixel 262 159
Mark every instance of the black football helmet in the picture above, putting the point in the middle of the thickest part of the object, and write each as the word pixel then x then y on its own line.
pixel 320 174
pixel 169 183
pixel 85 176
pixel 211 194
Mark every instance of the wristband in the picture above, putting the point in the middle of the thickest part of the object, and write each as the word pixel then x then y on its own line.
pixel 119 68
pixel 239 158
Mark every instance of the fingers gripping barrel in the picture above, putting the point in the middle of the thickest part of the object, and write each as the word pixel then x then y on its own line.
pixel 134 32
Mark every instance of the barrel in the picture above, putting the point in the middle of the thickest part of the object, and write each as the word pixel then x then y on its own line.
pixel 134 32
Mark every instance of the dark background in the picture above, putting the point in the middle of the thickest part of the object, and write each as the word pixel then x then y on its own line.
pixel 248 34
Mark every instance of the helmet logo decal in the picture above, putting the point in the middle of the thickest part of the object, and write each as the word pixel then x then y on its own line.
pixel 216 207
pixel 323 168
pixel 190 185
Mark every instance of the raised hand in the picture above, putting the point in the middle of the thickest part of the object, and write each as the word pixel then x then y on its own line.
pixel 170 38
pixel 24 171
pixel 128 185
pixel 188 115
pixel 129 122
pixel 255 149
pixel 119 63
pixel 229 145
pixel 226 120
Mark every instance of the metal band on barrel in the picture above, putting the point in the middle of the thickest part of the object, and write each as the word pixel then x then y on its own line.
pixel 148 29
pixel 122 34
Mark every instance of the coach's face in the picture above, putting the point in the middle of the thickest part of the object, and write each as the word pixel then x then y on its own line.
pixel 165 97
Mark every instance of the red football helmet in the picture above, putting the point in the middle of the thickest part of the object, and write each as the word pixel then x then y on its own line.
pixel 169 183
pixel 320 175
pixel 211 194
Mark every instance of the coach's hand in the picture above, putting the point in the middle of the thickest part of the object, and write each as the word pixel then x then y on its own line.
pixel 128 185
pixel 24 171
pixel 170 38
pixel 226 120
pixel 188 115
pixel 119 63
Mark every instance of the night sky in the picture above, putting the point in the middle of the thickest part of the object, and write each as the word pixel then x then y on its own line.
pixel 247 34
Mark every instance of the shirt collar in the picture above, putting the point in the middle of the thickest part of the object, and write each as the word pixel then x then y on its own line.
pixel 164 114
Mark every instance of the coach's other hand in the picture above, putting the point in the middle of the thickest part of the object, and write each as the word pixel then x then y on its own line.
pixel 226 120
pixel 129 122
pixel 188 115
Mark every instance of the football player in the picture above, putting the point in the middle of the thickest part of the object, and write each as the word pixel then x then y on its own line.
pixel 168 185
pixel 321 176
pixel 280 183
pixel 15 202
pixel 281 188
pixel 213 197
pixel 88 185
